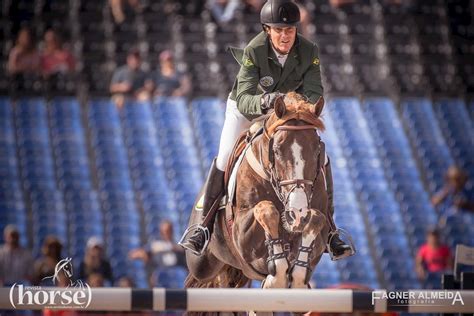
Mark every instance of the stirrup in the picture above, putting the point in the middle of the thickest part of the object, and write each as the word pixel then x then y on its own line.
pixel 192 229
pixel 345 233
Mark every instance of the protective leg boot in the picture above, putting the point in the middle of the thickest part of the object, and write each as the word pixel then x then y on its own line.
pixel 213 193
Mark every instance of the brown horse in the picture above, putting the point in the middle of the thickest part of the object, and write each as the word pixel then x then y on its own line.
pixel 275 228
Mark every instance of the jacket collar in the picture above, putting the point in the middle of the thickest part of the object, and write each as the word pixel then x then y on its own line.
pixel 293 54
pixel 291 62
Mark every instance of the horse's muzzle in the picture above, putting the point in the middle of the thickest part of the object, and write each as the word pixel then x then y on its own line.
pixel 294 220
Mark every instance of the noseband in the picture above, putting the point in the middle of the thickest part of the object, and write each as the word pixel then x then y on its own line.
pixel 278 184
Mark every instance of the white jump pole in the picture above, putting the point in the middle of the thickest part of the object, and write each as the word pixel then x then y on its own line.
pixel 227 300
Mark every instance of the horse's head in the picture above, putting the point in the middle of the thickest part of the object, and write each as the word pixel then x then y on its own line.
pixel 295 156
pixel 65 266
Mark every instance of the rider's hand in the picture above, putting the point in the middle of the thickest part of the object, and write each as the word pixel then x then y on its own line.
pixel 268 100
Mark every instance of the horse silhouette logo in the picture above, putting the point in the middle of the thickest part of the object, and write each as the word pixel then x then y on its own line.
pixel 63 273
pixel 66 292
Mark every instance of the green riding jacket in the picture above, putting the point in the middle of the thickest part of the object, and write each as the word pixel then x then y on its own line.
pixel 261 72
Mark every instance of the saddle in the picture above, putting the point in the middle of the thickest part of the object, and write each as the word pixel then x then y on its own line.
pixel 230 174
pixel 244 141
pixel 239 147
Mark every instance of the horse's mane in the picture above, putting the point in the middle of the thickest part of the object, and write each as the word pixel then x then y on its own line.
pixel 297 108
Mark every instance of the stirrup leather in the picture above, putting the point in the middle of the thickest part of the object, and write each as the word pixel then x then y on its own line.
pixel 192 229
pixel 345 233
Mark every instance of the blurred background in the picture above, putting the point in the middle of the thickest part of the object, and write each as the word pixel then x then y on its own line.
pixel 111 112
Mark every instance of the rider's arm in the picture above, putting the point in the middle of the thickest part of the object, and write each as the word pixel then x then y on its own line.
pixel 420 269
pixel 312 86
pixel 248 99
pixel 440 196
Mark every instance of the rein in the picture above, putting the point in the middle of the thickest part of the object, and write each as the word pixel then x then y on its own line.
pixel 271 175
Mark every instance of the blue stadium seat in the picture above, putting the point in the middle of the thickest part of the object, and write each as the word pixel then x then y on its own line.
pixel 368 175
pixel 423 130
pixel 348 213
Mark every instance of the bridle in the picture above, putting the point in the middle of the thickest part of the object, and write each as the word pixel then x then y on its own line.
pixel 278 184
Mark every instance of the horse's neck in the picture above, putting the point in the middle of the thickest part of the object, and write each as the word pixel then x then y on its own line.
pixel 258 148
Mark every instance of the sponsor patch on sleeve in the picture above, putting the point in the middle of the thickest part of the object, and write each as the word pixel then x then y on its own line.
pixel 316 61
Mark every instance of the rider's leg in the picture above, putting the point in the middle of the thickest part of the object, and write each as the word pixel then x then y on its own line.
pixel 338 248
pixel 234 124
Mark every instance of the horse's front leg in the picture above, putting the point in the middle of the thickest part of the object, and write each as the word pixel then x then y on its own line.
pixel 268 217
pixel 300 272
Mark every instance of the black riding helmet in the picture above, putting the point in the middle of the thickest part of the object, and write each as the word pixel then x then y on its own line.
pixel 280 13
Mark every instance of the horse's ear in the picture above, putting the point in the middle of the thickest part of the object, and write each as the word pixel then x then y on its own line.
pixel 280 107
pixel 318 107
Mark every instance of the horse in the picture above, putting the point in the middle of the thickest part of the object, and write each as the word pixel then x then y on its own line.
pixel 63 273
pixel 275 228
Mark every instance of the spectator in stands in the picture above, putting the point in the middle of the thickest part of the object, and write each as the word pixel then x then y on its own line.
pixel 45 265
pixel 433 257
pixel 61 281
pixel 125 281
pixel 223 11
pixel 168 80
pixel 24 57
pixel 161 253
pixel 341 3
pixel 95 280
pixel 55 59
pixel 123 10
pixel 94 261
pixel 304 28
pixel 130 81
pixel 253 6
pixel 189 8
pixel 15 261
pixel 453 197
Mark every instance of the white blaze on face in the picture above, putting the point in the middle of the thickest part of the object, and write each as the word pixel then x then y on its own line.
pixel 297 198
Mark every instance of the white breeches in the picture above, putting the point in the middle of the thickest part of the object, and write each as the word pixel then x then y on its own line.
pixel 234 124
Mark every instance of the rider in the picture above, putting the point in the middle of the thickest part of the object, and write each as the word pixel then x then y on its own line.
pixel 277 60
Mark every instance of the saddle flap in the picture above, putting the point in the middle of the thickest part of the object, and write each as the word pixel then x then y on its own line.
pixel 236 151
pixel 238 154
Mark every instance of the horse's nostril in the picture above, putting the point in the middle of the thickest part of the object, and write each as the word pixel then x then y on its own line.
pixel 290 216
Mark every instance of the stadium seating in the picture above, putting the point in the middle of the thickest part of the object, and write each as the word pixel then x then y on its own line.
pixel 12 206
pixel 117 198
pixel 434 158
pixel 376 198
pixel 360 268
pixel 117 170
pixel 76 168
pixel 401 171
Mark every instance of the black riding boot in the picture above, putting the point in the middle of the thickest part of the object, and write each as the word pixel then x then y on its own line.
pixel 338 247
pixel 214 190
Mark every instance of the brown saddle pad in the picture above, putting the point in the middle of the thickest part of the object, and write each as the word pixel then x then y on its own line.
pixel 236 152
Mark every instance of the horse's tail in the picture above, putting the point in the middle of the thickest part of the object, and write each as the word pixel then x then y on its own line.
pixel 232 277
pixel 228 277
